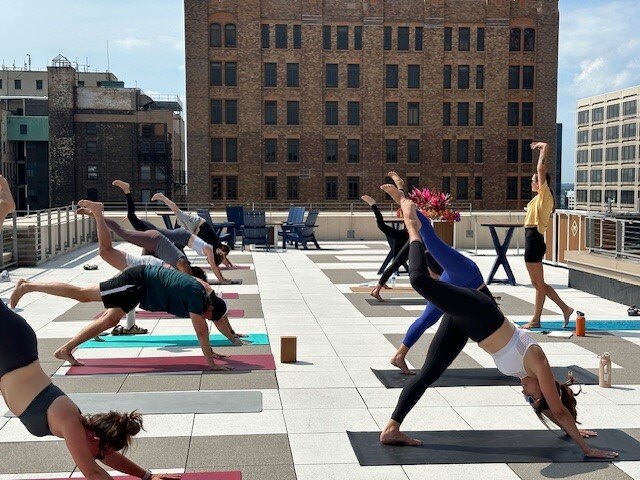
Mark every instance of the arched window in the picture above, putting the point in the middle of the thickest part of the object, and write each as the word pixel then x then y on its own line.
pixel 514 40
pixel 229 35
pixel 529 40
pixel 215 35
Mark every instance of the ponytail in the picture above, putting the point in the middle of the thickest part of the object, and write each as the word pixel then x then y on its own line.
pixel 114 429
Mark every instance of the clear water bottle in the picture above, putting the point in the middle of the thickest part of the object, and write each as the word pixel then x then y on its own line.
pixel 394 278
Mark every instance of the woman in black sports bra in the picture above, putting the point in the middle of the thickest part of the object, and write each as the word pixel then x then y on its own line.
pixel 44 409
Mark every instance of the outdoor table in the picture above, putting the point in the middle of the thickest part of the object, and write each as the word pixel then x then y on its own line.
pixel 501 251
pixel 393 249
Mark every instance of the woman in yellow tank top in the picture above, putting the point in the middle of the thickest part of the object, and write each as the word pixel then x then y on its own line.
pixel 539 212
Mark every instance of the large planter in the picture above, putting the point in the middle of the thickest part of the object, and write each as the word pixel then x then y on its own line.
pixel 444 231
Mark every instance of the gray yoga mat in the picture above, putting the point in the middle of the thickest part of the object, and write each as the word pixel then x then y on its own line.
pixel 480 377
pixel 168 402
pixel 489 446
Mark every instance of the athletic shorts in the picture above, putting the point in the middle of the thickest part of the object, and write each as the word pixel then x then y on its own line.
pixel 136 260
pixel 534 246
pixel 124 290
pixel 168 252
pixel 190 221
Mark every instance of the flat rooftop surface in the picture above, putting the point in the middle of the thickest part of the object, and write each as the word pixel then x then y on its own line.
pixel 308 407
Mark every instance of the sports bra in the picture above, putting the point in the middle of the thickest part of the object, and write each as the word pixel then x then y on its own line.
pixel 510 358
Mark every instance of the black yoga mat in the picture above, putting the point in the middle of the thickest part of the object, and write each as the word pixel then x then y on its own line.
pixel 480 377
pixel 489 446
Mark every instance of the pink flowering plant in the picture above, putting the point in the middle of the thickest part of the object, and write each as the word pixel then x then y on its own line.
pixel 434 204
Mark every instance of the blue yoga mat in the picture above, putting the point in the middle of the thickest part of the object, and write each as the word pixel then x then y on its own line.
pixel 137 341
pixel 592 325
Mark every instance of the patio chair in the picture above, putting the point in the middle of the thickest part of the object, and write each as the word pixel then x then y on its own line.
pixel 235 214
pixel 206 216
pixel 301 233
pixel 255 229
pixel 295 217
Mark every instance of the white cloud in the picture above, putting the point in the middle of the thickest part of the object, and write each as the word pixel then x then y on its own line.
pixel 132 43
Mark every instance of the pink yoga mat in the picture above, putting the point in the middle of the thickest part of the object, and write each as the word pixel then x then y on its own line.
pixel 230 296
pixel 106 366
pixel 143 314
pixel 235 475
pixel 235 267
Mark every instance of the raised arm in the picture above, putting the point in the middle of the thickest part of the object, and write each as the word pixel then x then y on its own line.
pixel 541 168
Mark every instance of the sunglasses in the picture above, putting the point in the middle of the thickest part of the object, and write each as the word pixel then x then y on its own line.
pixel 530 400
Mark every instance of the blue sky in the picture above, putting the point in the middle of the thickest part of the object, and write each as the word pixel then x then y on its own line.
pixel 599 45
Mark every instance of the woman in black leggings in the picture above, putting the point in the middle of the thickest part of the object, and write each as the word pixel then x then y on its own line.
pixel 472 314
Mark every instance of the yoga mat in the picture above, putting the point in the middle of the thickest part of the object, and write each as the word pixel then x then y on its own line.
pixel 235 267
pixel 143 314
pixel 168 402
pixel 368 289
pixel 230 296
pixel 235 281
pixel 173 364
pixel 592 325
pixel 489 446
pixel 233 475
pixel 165 341
pixel 480 377
pixel 235 313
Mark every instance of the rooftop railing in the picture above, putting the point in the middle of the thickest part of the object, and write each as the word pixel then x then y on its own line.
pixel 618 237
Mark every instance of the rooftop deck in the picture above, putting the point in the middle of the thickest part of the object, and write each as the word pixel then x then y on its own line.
pixel 309 406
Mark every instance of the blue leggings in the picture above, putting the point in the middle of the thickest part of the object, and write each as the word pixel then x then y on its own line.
pixel 459 270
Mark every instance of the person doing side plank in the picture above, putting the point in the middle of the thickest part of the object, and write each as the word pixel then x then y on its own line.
pixel 474 315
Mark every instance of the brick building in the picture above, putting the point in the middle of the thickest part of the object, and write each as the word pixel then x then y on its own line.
pixel 315 101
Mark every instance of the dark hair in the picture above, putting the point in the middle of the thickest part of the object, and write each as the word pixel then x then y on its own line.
pixel 567 396
pixel 217 258
pixel 218 306
pixel 225 248
pixel 114 429
pixel 198 273
pixel 548 179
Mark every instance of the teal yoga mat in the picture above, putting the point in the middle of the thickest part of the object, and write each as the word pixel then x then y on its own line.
pixel 162 341
pixel 591 325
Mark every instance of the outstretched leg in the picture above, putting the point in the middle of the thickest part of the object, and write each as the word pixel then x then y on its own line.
pixel 136 222
pixel 58 289
pixel 114 257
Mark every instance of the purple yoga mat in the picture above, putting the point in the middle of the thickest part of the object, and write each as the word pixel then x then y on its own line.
pixel 107 366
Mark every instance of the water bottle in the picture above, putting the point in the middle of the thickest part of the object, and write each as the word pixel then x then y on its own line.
pixel 394 277
pixel 604 377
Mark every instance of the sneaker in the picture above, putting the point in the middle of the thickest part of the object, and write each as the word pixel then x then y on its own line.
pixel 4 276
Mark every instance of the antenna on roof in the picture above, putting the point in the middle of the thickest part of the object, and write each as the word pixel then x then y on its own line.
pixel 107 56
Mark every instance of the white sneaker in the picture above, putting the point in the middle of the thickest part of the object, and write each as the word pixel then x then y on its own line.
pixel 4 276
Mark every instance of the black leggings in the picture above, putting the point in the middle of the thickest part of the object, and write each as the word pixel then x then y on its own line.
pixel 468 314
pixel 137 223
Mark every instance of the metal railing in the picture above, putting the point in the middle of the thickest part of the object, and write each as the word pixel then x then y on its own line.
pixel 618 237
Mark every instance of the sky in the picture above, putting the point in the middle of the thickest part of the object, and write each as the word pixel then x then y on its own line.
pixel 599 47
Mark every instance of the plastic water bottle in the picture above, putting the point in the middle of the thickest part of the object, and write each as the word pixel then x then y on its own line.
pixel 394 277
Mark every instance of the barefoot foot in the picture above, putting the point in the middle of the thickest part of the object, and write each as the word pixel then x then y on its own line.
pixel 126 188
pixel 530 325
pixel 91 206
pixel 393 192
pixel 397 180
pixel 397 438
pixel 375 293
pixel 567 315
pixel 157 197
pixel 400 362
pixel 369 200
pixel 64 354
pixel 84 211
pixel 19 291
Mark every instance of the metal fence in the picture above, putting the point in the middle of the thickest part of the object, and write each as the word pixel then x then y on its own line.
pixel 613 236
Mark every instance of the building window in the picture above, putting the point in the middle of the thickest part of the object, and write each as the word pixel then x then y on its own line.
pixel 231 112
pixel 80 83
pixel 292 188
pixel 216 112
pixel 413 76
pixel 446 114
pixel 596 135
pixel 353 113
pixel 391 113
pixel 595 196
pixel 628 152
pixel 525 188
pixel 611 155
pixel 216 150
pixel 583 117
pixel 479 114
pixel 215 35
pixel 293 113
pixel 611 175
pixel 629 130
pixel 216 188
pixel 418 38
pixel 480 77
pixel 215 74
pixel 353 75
pixel 595 176
pixel 626 197
pixel 463 114
pixel 297 36
pixel 270 150
pixel 160 147
pixel 353 151
pixel 331 75
pixel 232 188
pixel 512 188
pixel 357 38
pixel 480 48
pixel 293 150
pixel 293 76
pixel 17 84
pixel 597 114
pixel 413 182
pixel 331 150
pixel 403 38
pixel 145 147
pixel 446 151
pixel 464 39
pixel 512 151
pixel 613 133
pixel 613 111
pixel 271 112
pixel 581 196
pixel 527 77
pixel 583 136
pixel 232 150
pixel 596 155
pixel 628 175
pixel 326 37
pixel 270 75
pixel 387 38
pixel 229 35
pixel 413 114
pixel 448 34
pixel 145 172
pixel 145 194
pixel 91 128
pixel 446 184
pixel 513 114
pixel 446 76
pixel 462 188
pixel 39 85
pixel 514 77
pixel 271 188
pixel 582 176
pixel 529 40
pixel 462 152
pixel 392 151
pixel 264 35
pixel 230 76
pixel 23 129
pixel 463 76
pixel 92 172
pixel 342 41
pixel 391 76
pixel 331 113
pixel 353 188
pixel 515 40
pixel 160 173
pixel 331 188
pixel 413 151
pixel 479 151
pixel 477 190
pixel 611 195
pixel 91 147
pixel 526 152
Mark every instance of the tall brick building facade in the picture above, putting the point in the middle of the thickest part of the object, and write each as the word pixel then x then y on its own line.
pixel 311 101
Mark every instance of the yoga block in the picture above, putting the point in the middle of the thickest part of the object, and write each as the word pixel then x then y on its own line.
pixel 288 349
